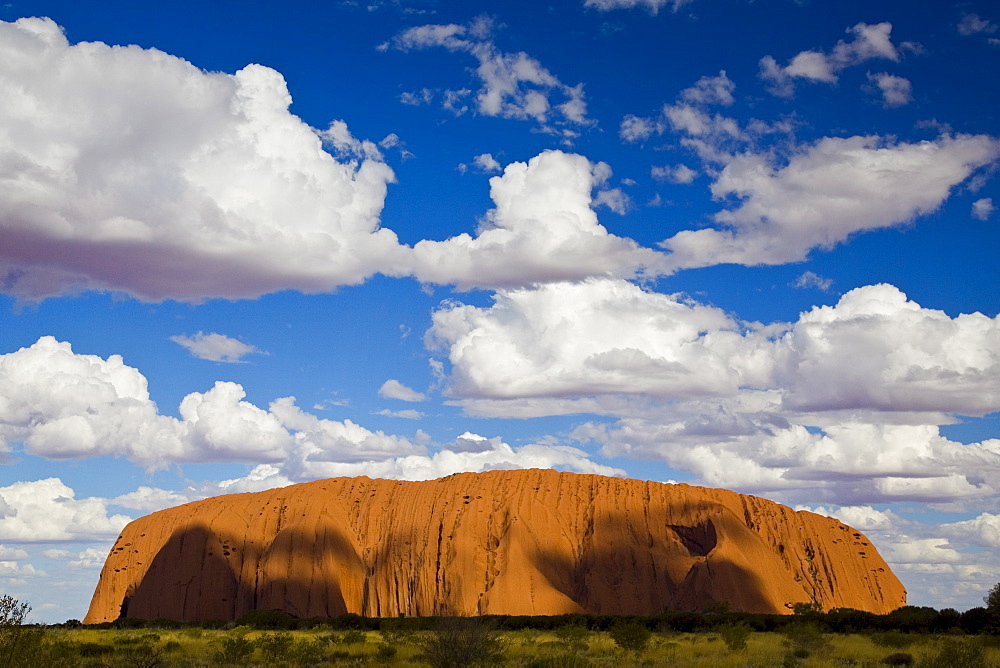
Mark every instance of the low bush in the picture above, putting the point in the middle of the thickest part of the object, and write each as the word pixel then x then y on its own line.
pixel 234 648
pixel 735 636
pixel 460 642
pixel 354 638
pixel 630 636
pixel 275 647
pixel 959 654
pixel 385 652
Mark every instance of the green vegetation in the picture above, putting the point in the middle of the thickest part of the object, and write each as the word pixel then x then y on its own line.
pixel 910 636
pixel 472 643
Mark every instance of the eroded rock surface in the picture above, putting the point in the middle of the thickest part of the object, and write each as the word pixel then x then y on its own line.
pixel 528 542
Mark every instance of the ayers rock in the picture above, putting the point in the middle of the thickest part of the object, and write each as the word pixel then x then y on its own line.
pixel 526 542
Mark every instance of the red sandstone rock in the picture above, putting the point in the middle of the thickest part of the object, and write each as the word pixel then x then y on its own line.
pixel 530 542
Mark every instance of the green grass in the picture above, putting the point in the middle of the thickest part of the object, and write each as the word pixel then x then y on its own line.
pixel 560 648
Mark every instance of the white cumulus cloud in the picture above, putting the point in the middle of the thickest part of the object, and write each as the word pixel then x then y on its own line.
pixel 130 169
pixel 543 228
pixel 486 163
pixel 393 389
pixel 846 401
pixel 48 510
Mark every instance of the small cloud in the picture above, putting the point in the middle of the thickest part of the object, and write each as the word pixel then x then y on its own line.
pixel 652 6
pixel 407 414
pixel 896 91
pixel 393 389
pixel 811 280
pixel 680 174
pixel 216 347
pixel 973 24
pixel 637 128
pixel 327 404
pixel 390 140
pixel 417 98
pixel 12 553
pixel 486 163
pixel 983 208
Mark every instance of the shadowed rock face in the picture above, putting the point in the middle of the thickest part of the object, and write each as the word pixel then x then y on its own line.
pixel 529 542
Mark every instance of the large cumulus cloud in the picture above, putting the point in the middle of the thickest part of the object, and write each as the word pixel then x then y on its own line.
pixel 130 169
pixel 62 405
pixel 543 228
pixel 844 403
pixel 873 351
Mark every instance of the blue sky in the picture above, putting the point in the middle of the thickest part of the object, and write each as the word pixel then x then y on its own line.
pixel 739 244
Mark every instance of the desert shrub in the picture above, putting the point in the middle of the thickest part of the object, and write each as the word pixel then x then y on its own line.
pixel 385 652
pixel 735 636
pixel 354 638
pixel 573 638
pixel 898 659
pixel 463 642
pixel 233 648
pixel 959 654
pixel 806 608
pixel 20 644
pixel 396 632
pixel 630 636
pixel 307 652
pixel 806 636
pixel 91 649
pixel 275 647
pixel 140 655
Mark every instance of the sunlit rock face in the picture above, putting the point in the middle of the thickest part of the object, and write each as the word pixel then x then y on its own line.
pixel 525 542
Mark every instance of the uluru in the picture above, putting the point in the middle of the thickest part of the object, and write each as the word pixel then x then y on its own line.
pixel 522 542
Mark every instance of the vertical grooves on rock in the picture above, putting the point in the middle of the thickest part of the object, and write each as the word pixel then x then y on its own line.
pixel 502 542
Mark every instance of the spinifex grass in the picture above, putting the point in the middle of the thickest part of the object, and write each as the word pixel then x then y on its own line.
pixel 563 647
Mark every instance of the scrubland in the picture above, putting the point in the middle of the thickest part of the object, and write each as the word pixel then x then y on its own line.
pixel 733 646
